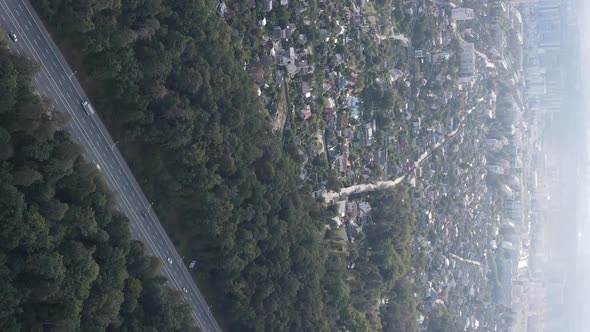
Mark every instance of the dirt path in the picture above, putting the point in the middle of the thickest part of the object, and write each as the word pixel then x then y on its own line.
pixel 282 112
pixel 394 36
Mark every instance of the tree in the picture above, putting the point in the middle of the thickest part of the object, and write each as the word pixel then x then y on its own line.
pixel 441 321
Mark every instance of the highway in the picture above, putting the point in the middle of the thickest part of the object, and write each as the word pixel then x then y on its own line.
pixel 56 81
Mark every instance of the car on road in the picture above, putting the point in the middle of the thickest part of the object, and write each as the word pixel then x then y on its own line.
pixel 184 289
pixel 87 107
pixel 169 260
pixel 13 36
pixel 143 215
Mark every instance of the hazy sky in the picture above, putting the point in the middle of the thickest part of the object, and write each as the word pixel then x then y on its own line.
pixel 585 36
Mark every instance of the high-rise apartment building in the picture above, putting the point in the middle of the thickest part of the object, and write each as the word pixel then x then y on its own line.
pixel 467 70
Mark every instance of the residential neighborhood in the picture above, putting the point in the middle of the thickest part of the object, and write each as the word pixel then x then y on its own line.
pixel 437 95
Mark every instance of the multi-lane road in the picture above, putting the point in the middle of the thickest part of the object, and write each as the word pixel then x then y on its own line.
pixel 58 83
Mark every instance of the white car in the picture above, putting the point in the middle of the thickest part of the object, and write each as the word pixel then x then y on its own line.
pixel 169 260
pixel 184 289
pixel 87 107
pixel 13 36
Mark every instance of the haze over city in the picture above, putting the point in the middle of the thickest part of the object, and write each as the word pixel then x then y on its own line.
pixel 563 205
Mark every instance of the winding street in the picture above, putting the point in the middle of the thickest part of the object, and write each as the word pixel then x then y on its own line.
pixel 333 196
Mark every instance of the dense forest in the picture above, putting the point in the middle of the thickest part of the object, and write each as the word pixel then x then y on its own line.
pixel 167 78
pixel 384 262
pixel 67 261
